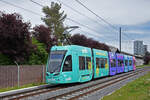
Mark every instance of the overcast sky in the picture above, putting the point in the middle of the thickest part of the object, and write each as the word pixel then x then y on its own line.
pixel 132 15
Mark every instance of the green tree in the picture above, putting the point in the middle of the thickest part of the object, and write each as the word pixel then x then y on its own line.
pixel 5 60
pixel 38 56
pixel 54 20
pixel 147 58
pixel 42 34
pixel 15 37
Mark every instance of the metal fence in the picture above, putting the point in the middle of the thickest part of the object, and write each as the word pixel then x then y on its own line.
pixel 11 76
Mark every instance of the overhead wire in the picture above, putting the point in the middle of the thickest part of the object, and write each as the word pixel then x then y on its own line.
pixel 70 18
pixel 42 15
pixel 96 14
pixel 82 14
pixel 6 2
pixel 38 13
pixel 73 20
pixel 111 25
pixel 85 32
pixel 82 25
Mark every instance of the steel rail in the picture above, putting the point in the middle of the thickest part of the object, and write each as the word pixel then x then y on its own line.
pixel 81 89
pixel 54 88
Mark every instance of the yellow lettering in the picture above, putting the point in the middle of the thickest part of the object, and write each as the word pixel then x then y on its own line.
pixel 102 54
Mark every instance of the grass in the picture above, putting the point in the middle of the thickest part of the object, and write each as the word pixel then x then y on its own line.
pixel 143 66
pixel 16 87
pixel 139 89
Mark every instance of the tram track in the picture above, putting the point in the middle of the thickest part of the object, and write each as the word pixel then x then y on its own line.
pixel 101 87
pixel 21 95
pixel 57 88
pixel 75 95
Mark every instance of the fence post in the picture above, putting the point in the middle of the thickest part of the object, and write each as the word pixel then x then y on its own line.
pixel 43 72
pixel 18 73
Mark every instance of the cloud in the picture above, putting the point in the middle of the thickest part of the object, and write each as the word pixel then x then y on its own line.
pixel 132 15
pixel 125 12
pixel 138 32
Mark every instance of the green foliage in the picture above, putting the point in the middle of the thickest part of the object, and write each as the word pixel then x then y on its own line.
pixel 39 56
pixel 15 40
pixel 78 39
pixel 54 20
pixel 42 34
pixel 4 60
pixel 143 66
pixel 147 58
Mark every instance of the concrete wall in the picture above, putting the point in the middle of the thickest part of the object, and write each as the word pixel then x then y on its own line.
pixel 139 61
pixel 27 74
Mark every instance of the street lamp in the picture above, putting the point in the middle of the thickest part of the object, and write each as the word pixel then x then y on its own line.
pixel 67 32
pixel 70 27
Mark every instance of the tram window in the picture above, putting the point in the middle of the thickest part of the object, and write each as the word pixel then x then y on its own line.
pixel 119 63
pixel 130 62
pixel 102 63
pixel 97 63
pixel 82 63
pixel 113 63
pixel 106 62
pixel 68 64
pixel 88 63
pixel 126 62
pixel 114 60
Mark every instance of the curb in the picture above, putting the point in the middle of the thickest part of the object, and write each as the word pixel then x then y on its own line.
pixel 23 90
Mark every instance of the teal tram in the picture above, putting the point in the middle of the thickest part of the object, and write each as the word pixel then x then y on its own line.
pixel 72 64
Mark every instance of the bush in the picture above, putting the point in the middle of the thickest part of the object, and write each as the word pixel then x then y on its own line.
pixel 39 56
pixel 146 58
pixel 5 60
pixel 43 35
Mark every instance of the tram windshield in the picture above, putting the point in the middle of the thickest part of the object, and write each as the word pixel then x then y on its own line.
pixel 55 60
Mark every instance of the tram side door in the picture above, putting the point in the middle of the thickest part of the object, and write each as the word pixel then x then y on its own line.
pixel 85 68
pixel 75 66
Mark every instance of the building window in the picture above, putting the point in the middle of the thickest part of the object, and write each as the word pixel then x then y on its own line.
pixel 68 64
